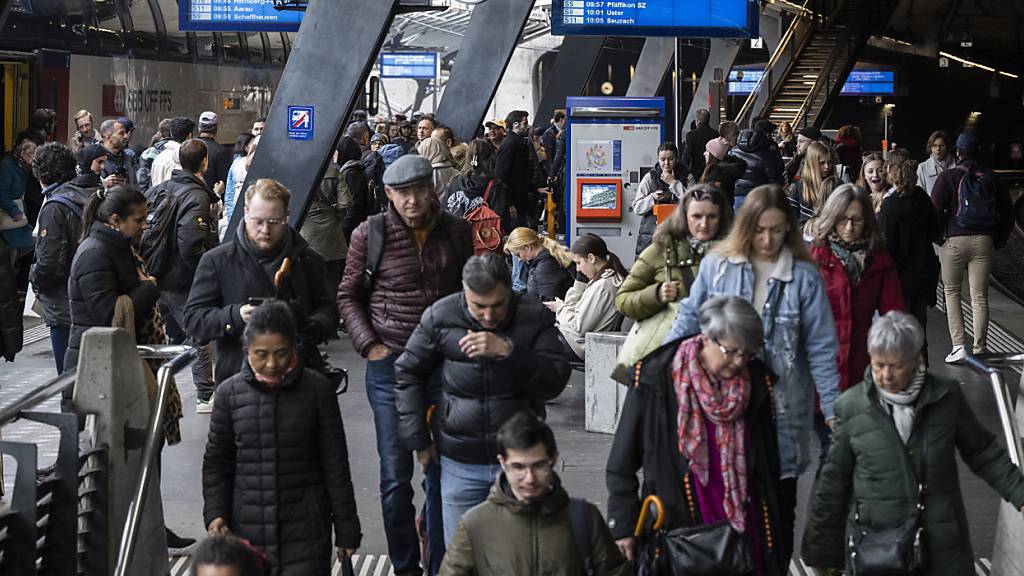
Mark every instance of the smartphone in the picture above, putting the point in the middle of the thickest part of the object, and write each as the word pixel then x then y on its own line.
pixel 122 172
pixel 548 299
pixel 256 301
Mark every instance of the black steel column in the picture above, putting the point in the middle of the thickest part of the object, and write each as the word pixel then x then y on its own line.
pixel 494 30
pixel 568 77
pixel 327 69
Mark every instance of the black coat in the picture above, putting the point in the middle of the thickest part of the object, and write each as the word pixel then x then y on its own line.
pixel 647 439
pixel 220 158
pixel 104 269
pixel 364 202
pixel 479 395
pixel 196 230
pixel 547 279
pixel 276 470
pixel 910 225
pixel 60 230
pixel 512 167
pixel 474 186
pixel 764 162
pixel 229 275
pixel 693 148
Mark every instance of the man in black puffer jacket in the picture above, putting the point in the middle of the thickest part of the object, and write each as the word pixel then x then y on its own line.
pixel 499 354
pixel 764 163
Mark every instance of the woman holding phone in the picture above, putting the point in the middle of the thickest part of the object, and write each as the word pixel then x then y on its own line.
pixel 664 184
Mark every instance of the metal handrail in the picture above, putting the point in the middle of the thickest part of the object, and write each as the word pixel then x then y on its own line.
pixel 131 526
pixel 783 45
pixel 1003 402
pixel 13 411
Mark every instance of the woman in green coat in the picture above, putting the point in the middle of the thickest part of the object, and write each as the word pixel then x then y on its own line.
pixel 663 272
pixel 874 465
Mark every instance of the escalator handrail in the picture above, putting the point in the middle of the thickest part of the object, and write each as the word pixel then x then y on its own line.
pixel 1004 406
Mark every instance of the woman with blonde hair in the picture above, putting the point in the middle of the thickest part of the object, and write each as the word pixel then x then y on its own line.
pixel 441 160
pixel 550 269
pixel 873 179
pixel 787 140
pixel 764 261
pixel 817 180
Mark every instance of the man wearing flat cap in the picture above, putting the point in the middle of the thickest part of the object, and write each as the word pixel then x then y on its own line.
pixel 399 263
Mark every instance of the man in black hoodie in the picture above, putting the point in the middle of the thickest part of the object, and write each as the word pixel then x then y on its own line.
pixel 195 234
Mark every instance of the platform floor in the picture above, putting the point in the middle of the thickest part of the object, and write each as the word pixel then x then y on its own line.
pixel 583 454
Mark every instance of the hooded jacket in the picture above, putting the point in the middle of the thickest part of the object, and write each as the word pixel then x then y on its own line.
pixel 232 273
pixel 479 394
pixel 910 226
pixel 60 230
pixel 276 469
pixel 195 228
pixel 506 536
pixel 462 192
pixel 725 174
pixel 764 162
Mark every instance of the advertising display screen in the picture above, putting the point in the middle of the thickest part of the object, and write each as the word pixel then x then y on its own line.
pixel 680 18
pixel 860 82
pixel 599 196
pixel 237 16
pixel 408 65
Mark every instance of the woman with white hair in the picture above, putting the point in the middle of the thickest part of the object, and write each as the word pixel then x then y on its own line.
pixel 893 455
pixel 699 420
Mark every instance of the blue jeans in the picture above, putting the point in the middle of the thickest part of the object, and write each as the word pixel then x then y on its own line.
pixel 396 470
pixel 59 336
pixel 737 201
pixel 519 275
pixel 462 487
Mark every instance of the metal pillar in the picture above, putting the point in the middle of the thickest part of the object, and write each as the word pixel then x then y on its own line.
pixel 654 62
pixel 494 30
pixel 326 71
pixel 568 77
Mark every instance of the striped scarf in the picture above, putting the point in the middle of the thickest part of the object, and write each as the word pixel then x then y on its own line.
pixel 725 403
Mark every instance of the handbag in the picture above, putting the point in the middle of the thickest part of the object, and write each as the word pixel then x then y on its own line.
pixel 7 221
pixel 897 550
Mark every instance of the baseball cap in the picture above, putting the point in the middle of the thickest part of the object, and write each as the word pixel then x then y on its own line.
pixel 496 122
pixel 207 119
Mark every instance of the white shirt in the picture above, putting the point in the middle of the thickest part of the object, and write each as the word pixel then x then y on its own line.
pixel 165 163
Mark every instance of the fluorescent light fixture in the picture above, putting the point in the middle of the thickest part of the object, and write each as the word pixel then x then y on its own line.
pixel 977 65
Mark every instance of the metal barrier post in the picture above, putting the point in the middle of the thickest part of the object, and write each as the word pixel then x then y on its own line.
pixel 1004 405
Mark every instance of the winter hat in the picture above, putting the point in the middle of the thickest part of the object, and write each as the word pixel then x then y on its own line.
pixel 967 142
pixel 810 132
pixel 89 153
pixel 717 147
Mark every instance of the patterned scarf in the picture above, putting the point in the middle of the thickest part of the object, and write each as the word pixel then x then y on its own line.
pixel 699 247
pixel 853 255
pixel 725 403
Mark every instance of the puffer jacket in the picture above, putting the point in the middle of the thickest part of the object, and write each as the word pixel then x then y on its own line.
pixel 764 162
pixel 103 269
pixel 637 298
pixel 546 278
pixel 643 203
pixel 196 230
pixel 871 472
pixel 800 340
pixel 589 307
pixel 506 536
pixel 481 394
pixel 854 305
pixel 647 439
pixel 276 470
pixel 408 279
pixel 60 230
pixel 230 274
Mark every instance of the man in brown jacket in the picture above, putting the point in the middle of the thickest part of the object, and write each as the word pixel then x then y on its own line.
pixel 399 263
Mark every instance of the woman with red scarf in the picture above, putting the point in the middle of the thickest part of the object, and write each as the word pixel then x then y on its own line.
pixel 699 420
pixel 276 469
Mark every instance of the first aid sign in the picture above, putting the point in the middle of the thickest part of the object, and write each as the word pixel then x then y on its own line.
pixel 300 122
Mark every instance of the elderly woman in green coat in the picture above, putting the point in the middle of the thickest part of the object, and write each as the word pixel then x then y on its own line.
pixel 664 271
pixel 874 466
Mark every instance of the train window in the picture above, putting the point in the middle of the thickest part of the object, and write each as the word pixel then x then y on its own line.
pixel 231 43
pixel 144 26
pixel 254 42
pixel 177 41
pixel 276 48
pixel 205 46
pixel 110 27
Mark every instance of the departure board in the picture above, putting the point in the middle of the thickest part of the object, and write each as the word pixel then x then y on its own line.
pixel 680 18
pixel 237 16
pixel 422 65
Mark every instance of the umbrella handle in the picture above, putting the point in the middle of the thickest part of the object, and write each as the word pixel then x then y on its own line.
pixel 659 519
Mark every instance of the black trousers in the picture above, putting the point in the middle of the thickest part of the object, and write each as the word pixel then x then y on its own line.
pixel 787 514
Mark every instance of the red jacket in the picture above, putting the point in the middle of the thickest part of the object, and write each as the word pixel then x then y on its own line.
pixel 854 309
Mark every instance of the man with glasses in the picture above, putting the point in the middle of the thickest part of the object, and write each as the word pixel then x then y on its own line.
pixel 85 131
pixel 498 354
pixel 529 524
pixel 267 259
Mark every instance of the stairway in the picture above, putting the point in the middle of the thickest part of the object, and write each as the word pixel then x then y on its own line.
pixel 801 76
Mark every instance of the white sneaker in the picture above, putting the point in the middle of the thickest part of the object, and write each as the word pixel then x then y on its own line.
pixel 957 355
pixel 204 407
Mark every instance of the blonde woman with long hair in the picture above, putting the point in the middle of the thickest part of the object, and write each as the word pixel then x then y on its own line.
pixel 765 261
pixel 817 180
pixel 550 270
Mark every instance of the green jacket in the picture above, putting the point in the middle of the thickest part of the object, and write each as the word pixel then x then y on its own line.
pixel 870 470
pixel 637 298
pixel 503 536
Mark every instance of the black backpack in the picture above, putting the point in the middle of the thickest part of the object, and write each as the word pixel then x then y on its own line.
pixel 579 525
pixel 976 205
pixel 158 239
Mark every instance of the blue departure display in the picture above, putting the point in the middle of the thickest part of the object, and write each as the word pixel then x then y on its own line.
pixel 681 18
pixel 408 65
pixel 862 82
pixel 237 16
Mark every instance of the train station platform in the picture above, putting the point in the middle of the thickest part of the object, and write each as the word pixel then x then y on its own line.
pixel 582 454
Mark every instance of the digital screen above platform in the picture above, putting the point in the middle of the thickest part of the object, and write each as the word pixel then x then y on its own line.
pixel 862 82
pixel 408 65
pixel 679 18
pixel 237 16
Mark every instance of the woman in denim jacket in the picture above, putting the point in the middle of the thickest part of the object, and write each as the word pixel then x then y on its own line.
pixel 764 260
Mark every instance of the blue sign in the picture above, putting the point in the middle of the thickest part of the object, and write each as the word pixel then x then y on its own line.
pixel 300 122
pixel 237 16
pixel 680 18
pixel 869 82
pixel 408 65
pixel 743 81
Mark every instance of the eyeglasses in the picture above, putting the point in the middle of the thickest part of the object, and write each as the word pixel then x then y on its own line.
pixel 269 223
pixel 850 221
pixel 733 353
pixel 518 471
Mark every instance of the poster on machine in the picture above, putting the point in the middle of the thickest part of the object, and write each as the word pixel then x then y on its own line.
pixel 599 156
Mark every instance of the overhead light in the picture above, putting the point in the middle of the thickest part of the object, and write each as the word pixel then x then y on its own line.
pixel 967 62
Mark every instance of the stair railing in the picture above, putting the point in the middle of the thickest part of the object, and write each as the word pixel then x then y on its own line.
pixel 1004 401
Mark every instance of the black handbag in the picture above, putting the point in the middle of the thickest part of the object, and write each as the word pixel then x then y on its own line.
pixel 899 550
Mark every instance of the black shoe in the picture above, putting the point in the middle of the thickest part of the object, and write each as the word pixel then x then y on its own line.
pixel 178 546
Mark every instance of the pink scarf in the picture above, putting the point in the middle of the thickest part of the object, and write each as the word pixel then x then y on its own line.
pixel 725 403
pixel 270 381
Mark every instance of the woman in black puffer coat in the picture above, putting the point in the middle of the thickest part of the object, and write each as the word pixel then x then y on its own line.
pixel 276 468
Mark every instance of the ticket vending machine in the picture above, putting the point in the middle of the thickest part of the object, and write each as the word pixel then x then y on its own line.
pixel 611 144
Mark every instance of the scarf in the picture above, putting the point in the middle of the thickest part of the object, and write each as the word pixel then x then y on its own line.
pixel 902 405
pixel 853 255
pixel 270 381
pixel 698 247
pixel 270 263
pixel 724 403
